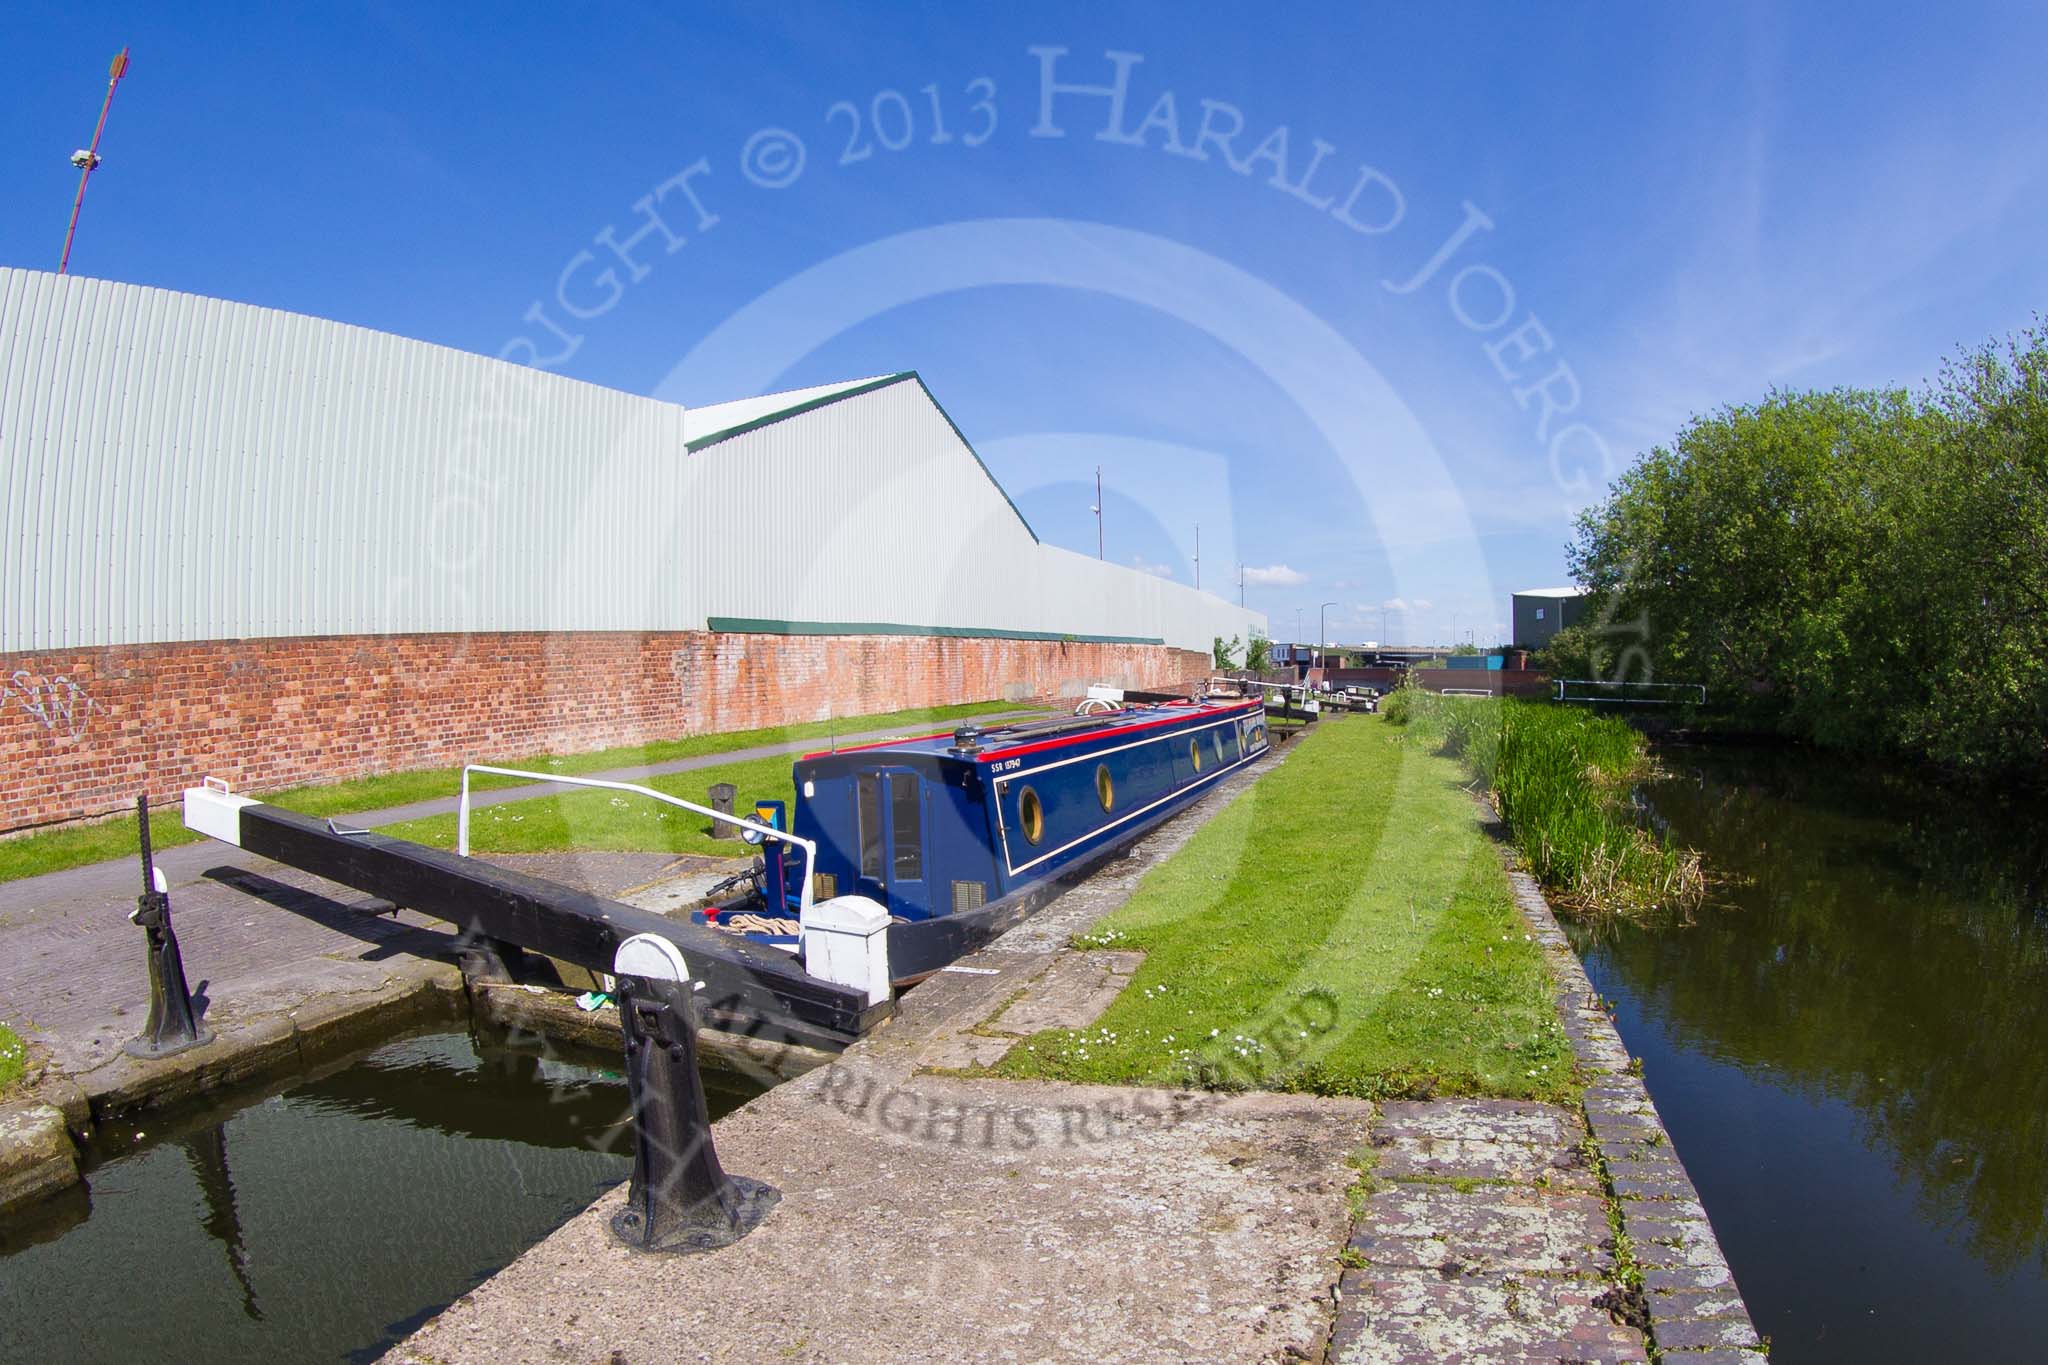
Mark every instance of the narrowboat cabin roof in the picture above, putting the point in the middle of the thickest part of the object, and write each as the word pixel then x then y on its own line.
pixel 982 744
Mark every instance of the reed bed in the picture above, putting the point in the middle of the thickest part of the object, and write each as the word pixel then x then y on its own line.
pixel 1561 779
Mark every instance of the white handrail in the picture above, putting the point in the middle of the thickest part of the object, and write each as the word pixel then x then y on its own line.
pixel 809 846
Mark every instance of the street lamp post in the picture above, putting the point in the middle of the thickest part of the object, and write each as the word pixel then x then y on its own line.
pixel 1322 629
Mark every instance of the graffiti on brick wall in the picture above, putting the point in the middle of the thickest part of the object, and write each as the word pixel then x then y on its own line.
pixel 58 704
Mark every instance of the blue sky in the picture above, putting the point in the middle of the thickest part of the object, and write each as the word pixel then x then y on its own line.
pixel 1649 210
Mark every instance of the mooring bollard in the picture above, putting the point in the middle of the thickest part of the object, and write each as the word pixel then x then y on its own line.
pixel 721 796
pixel 680 1198
pixel 172 1026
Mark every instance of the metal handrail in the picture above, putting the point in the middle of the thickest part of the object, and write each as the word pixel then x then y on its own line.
pixel 809 846
pixel 1562 683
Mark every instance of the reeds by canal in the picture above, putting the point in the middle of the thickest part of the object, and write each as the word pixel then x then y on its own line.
pixel 1560 778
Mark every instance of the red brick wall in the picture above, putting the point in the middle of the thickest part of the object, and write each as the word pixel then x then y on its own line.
pixel 83 730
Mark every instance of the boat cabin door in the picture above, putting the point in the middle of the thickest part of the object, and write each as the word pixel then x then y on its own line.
pixel 890 808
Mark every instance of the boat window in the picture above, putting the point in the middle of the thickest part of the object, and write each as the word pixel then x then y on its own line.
pixel 1195 753
pixel 868 811
pixel 1217 736
pixel 1031 815
pixel 906 828
pixel 1105 786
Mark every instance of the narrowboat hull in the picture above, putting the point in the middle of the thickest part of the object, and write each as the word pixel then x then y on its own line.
pixel 962 835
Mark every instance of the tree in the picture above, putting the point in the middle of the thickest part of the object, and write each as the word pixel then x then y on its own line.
pixel 1258 653
pixel 1865 568
pixel 1224 655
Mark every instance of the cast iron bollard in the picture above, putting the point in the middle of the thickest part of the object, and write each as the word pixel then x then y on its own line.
pixel 680 1198
pixel 172 1026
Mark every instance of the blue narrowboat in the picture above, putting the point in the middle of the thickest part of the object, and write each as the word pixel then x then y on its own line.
pixel 960 834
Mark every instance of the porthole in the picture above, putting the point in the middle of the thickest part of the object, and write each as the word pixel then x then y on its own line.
pixel 1217 735
pixel 1105 786
pixel 1195 753
pixel 1031 815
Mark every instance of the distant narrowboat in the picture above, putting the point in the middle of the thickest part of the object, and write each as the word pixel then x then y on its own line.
pixel 960 834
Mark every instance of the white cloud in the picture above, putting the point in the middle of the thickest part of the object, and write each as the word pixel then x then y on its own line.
pixel 1145 565
pixel 1273 576
pixel 1403 604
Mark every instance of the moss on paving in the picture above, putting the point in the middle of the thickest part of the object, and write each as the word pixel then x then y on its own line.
pixel 31 855
pixel 1344 928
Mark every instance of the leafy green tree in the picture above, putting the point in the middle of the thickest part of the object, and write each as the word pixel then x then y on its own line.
pixel 1224 655
pixel 1258 653
pixel 1865 568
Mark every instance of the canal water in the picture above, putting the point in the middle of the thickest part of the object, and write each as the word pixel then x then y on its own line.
pixel 322 1223
pixel 1850 1047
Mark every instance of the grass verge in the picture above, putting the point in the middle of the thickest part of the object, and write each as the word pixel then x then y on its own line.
pixel 1560 777
pixel 613 821
pixel 31 855
pixel 1344 928
pixel 13 1058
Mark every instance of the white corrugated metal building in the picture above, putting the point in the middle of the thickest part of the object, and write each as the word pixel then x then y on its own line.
pixel 180 468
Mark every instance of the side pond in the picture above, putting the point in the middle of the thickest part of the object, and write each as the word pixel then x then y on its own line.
pixel 1850 1047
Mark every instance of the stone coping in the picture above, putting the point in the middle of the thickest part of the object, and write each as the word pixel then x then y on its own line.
pixel 1696 1313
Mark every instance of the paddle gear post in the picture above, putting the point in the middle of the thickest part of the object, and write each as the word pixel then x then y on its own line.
pixel 680 1198
pixel 173 1025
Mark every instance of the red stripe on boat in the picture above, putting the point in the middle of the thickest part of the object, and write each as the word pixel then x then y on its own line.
pixel 1107 732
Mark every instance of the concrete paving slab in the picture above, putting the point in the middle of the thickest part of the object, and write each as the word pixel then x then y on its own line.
pixel 1497 1319
pixel 1475 1158
pixel 1499 1120
pixel 1519 1230
pixel 1072 993
pixel 934 1219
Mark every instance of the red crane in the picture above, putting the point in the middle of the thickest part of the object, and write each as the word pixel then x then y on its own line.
pixel 87 159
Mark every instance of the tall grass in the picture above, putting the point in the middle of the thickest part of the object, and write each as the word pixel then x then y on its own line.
pixel 1560 778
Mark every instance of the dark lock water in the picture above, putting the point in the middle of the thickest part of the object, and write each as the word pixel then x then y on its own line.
pixel 323 1223
pixel 1850 1046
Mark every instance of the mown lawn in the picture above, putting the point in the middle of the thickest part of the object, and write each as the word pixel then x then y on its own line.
pixel 1345 928
pixel 33 854
pixel 618 821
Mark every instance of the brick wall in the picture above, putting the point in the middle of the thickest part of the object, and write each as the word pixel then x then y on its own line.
pixel 83 730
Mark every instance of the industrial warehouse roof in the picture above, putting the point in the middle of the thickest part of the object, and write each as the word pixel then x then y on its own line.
pixel 1550 592
pixel 184 468
pixel 709 424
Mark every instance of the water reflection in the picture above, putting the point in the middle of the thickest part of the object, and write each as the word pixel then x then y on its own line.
pixel 321 1223
pixel 1875 968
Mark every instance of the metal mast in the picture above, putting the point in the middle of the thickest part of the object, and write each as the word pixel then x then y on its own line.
pixel 87 159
